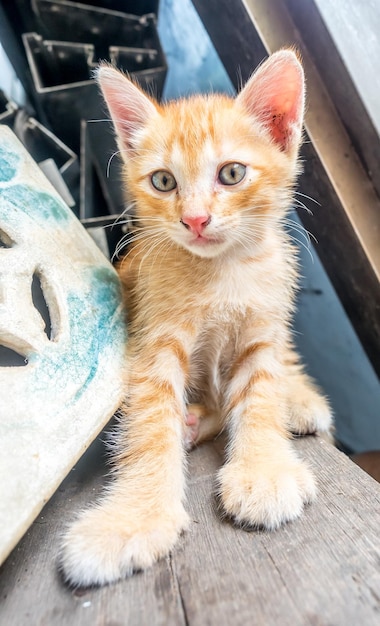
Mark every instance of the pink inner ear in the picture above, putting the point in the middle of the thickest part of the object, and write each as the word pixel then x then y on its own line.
pixel 275 96
pixel 286 110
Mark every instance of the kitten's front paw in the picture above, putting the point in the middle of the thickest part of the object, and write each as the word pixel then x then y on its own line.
pixel 272 495
pixel 104 545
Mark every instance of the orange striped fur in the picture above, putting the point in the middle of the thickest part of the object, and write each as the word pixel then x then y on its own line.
pixel 209 280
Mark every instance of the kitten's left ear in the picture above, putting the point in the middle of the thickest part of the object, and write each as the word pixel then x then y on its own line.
pixel 275 96
pixel 129 106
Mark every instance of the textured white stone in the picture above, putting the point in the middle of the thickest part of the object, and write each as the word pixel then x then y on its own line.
pixel 52 407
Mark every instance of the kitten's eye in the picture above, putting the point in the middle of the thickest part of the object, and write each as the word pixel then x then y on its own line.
pixel 232 173
pixel 163 181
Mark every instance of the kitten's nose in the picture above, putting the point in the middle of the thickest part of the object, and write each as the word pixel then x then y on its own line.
pixel 196 223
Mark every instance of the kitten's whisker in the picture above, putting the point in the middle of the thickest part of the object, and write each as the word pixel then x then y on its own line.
pixel 301 229
pixel 115 223
pixel 110 161
pixel 246 239
pixel 129 237
pixel 298 193
pixel 94 121
pixel 150 248
pixel 293 224
pixel 298 205
pixel 131 248
pixel 141 235
pixel 126 244
pixel 301 205
pixel 301 243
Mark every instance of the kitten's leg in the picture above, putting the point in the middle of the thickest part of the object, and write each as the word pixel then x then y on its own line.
pixel 141 515
pixel 309 410
pixel 201 424
pixel 263 482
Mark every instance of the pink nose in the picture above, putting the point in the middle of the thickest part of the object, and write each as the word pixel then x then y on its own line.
pixel 197 223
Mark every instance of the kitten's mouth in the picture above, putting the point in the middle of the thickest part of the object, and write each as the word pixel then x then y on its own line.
pixel 200 240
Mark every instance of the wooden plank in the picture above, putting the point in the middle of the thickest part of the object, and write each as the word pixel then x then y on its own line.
pixel 342 38
pixel 32 591
pixel 347 224
pixel 322 569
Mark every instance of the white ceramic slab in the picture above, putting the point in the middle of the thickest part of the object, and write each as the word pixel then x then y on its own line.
pixel 52 406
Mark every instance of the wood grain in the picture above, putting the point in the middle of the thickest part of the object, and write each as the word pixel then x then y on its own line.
pixel 323 569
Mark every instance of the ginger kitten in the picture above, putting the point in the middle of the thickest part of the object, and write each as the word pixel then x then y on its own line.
pixel 209 280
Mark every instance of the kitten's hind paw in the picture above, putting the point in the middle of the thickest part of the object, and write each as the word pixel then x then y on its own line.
pixel 309 409
pixel 309 414
pixel 201 424
pixel 103 546
pixel 192 427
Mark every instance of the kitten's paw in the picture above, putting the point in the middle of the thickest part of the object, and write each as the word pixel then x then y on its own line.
pixel 194 413
pixel 103 546
pixel 309 412
pixel 272 495
pixel 201 424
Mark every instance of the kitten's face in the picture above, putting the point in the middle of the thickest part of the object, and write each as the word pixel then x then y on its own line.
pixel 206 178
pixel 211 173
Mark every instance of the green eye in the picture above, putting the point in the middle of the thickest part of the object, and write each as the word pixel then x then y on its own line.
pixel 232 173
pixel 163 181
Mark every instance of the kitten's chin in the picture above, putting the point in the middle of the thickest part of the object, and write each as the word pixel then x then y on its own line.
pixel 206 248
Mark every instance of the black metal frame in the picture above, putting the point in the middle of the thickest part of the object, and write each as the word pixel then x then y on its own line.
pixel 54 45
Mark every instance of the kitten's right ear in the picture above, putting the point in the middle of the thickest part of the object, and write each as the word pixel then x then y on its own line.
pixel 128 105
pixel 275 95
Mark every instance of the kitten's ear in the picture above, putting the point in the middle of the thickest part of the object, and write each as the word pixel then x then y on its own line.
pixel 128 105
pixel 275 95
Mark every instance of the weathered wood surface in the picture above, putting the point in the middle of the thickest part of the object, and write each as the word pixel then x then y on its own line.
pixel 324 569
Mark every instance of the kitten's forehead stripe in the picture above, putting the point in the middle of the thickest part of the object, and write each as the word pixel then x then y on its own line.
pixel 193 132
pixel 197 130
